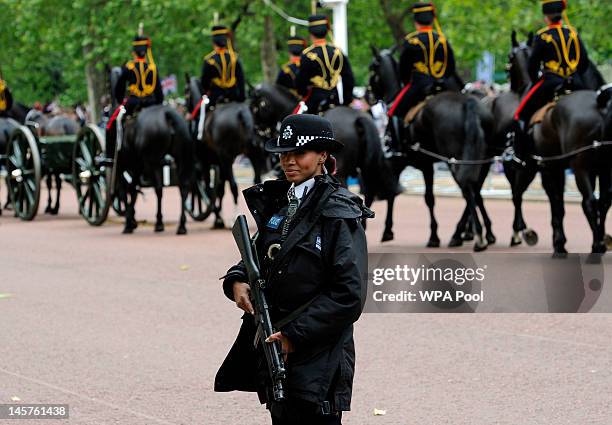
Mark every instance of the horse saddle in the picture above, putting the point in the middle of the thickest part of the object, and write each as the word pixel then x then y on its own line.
pixel 538 117
pixel 414 111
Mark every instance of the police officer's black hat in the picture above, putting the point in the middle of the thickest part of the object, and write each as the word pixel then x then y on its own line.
pixel 295 45
pixel 318 25
pixel 553 7
pixel 219 35
pixel 304 132
pixel 424 13
pixel 141 43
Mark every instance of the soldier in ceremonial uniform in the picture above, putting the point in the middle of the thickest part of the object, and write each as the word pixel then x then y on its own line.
pixel 427 57
pixel 322 68
pixel 6 99
pixel 142 78
pixel 558 53
pixel 222 76
pixel 288 73
pixel 312 252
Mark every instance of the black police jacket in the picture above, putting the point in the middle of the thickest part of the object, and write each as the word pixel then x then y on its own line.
pixel 322 263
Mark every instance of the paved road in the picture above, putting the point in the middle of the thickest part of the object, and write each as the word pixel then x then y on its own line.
pixel 131 330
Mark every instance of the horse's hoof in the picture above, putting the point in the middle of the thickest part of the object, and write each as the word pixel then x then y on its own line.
pixel 181 231
pixel 608 242
pixel 387 236
pixel 599 248
pixel 516 240
pixel 560 254
pixel 219 224
pixel 530 236
pixel 159 227
pixel 491 239
pixel 467 236
pixel 455 242
pixel 48 210
pixel 480 246
pixel 433 243
pixel 128 230
pixel 54 211
pixel 593 258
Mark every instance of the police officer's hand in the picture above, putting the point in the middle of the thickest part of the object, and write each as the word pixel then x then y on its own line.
pixel 242 292
pixel 286 345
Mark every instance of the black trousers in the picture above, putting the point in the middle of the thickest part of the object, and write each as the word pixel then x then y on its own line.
pixel 301 412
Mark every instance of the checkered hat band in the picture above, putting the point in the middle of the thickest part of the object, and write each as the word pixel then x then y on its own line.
pixel 302 140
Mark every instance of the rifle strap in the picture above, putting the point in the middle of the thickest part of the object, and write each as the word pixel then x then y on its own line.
pixel 293 315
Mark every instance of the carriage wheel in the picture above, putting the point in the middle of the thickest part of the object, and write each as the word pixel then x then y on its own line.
pixel 23 173
pixel 200 201
pixel 91 175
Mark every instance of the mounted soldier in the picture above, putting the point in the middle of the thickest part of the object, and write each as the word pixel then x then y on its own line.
pixel 426 62
pixel 142 78
pixel 222 76
pixel 6 99
pixel 557 55
pixel 325 78
pixel 288 73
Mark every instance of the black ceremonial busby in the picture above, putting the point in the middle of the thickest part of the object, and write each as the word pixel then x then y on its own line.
pixel 219 35
pixel 318 25
pixel 295 45
pixel 553 7
pixel 424 13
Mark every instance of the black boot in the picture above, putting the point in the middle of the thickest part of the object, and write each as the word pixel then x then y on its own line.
pixel 393 137
pixel 521 143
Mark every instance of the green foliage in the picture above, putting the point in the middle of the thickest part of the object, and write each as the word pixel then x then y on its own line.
pixel 49 42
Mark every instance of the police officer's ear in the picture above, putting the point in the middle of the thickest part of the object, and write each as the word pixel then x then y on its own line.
pixel 323 158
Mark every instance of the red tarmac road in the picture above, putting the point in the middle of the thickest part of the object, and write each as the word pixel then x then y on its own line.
pixel 130 329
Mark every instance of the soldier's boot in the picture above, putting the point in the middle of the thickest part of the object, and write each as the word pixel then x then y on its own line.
pixel 393 137
pixel 521 143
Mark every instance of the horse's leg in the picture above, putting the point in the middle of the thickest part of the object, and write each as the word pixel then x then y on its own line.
pixel 553 180
pixel 388 232
pixel 49 183
pixel 464 222
pixel 585 181
pixel 470 196
pixel 234 189
pixel 159 189
pixel 58 190
pixel 428 177
pixel 130 219
pixel 519 182
pixel 491 239
pixel 222 179
pixel 368 201
pixel 605 200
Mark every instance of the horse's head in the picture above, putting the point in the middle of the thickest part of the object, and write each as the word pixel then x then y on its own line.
pixel 193 93
pixel 518 63
pixel 270 104
pixel 383 83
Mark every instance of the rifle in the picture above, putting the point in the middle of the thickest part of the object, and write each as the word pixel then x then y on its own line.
pixel 274 357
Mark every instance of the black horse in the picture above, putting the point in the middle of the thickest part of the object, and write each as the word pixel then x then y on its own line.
pixel 362 154
pixel 45 126
pixel 149 137
pixel 453 125
pixel 7 126
pixel 563 140
pixel 228 132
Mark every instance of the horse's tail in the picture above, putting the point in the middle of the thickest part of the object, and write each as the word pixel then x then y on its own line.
pixel 376 172
pixel 475 146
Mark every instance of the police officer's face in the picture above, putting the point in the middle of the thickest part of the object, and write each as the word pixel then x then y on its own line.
pixel 302 165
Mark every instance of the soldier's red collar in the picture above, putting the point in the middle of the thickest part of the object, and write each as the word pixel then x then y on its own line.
pixel 321 42
pixel 555 25
pixel 295 59
pixel 220 49
pixel 139 59
pixel 425 29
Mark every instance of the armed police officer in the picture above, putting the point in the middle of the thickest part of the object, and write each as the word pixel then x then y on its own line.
pixel 325 78
pixel 6 99
pixel 312 252
pixel 427 59
pixel 288 72
pixel 557 55
pixel 222 76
